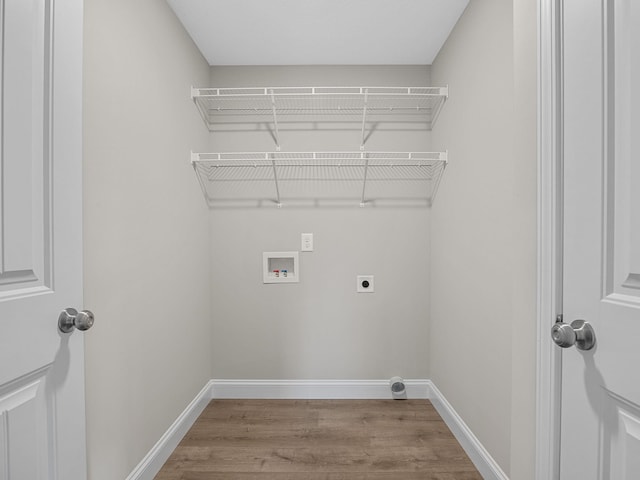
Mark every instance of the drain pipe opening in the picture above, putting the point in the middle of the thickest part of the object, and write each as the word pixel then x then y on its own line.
pixel 398 389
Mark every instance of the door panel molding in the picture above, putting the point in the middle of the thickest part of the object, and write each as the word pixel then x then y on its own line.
pixel 623 457
pixel 620 299
pixel 622 244
pixel 632 281
pixel 25 151
pixel 18 276
pixel 24 426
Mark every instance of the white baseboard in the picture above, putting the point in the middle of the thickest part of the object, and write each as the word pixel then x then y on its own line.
pixel 315 389
pixel 480 457
pixel 154 460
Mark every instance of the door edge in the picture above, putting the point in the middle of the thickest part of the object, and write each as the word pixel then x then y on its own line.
pixel 549 268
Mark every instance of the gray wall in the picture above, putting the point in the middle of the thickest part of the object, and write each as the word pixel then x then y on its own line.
pixel 321 328
pixel 146 232
pixel 524 231
pixel 483 229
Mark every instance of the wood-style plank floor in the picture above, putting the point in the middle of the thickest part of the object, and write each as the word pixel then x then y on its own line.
pixel 319 439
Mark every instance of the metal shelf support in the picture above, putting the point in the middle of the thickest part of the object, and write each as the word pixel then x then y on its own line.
pixel 364 181
pixel 364 117
pixel 275 120
pixel 275 179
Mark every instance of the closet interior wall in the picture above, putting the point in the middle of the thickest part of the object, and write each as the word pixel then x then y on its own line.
pixel 483 290
pixel 320 328
pixel 146 235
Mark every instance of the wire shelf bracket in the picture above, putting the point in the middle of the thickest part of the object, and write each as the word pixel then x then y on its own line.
pixel 364 118
pixel 364 182
pixel 275 120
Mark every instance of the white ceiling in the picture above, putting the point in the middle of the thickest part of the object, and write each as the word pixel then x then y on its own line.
pixel 319 32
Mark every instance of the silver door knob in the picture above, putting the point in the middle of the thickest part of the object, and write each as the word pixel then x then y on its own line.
pixel 70 319
pixel 579 333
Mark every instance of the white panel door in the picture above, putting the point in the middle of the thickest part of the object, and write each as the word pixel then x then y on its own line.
pixel 42 426
pixel 600 431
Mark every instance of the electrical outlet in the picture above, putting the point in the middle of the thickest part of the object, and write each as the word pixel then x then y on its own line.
pixel 364 284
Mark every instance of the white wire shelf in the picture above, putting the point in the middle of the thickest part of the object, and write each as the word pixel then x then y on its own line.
pixel 359 105
pixel 311 178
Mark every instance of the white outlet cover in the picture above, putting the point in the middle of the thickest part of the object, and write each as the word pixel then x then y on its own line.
pixel 362 289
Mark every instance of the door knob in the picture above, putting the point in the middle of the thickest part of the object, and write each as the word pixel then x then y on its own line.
pixel 70 318
pixel 578 333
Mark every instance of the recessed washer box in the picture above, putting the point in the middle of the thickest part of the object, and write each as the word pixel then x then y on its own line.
pixel 280 267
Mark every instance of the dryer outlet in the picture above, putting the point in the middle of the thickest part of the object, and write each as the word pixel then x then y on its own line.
pixel 364 284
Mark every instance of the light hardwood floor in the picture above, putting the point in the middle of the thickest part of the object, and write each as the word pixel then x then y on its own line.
pixel 319 439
